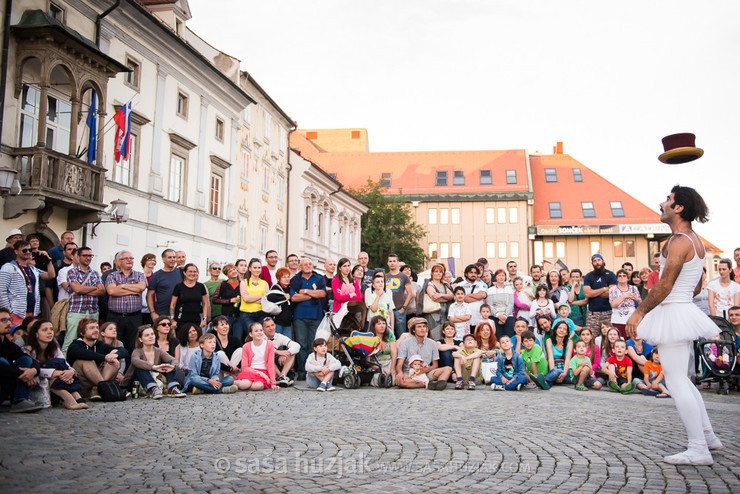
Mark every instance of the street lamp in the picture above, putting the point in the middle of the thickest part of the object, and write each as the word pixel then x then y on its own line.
pixel 7 176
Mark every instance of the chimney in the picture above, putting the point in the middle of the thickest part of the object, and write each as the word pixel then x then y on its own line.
pixel 558 149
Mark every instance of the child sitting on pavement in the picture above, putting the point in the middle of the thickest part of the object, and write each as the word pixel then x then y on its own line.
pixel 580 369
pixel 654 377
pixel 467 363
pixel 510 371
pixel 203 369
pixel 535 361
pixel 320 367
pixel 619 369
pixel 416 364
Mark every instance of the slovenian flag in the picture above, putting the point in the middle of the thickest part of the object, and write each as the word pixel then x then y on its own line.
pixel 92 123
pixel 123 122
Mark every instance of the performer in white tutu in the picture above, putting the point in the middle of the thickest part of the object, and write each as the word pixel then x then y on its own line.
pixel 668 319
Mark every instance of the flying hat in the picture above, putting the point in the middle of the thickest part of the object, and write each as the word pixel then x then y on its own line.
pixel 680 148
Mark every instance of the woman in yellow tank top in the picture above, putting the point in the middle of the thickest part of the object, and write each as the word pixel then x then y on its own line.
pixel 251 290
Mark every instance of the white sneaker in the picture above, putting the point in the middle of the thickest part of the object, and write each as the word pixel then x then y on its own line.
pixel 689 458
pixel 497 387
pixel 329 387
pixel 322 387
pixel 713 442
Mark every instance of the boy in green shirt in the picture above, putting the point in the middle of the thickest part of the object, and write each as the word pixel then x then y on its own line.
pixel 580 369
pixel 535 361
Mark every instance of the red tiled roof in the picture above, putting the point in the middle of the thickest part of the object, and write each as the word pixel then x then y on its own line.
pixel 569 193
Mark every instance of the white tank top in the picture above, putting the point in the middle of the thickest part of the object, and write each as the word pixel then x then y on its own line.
pixel 688 278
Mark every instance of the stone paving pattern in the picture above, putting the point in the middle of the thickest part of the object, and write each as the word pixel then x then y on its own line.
pixel 367 440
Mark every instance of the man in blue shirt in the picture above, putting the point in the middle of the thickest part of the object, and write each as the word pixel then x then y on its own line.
pixel 306 291
pixel 57 252
pixel 596 285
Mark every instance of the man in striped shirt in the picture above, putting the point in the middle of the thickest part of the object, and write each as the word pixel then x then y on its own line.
pixel 124 287
pixel 20 284
pixel 86 287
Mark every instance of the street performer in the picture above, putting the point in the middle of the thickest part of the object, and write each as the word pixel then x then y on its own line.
pixel 667 318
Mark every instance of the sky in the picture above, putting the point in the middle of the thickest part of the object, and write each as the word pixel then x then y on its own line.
pixel 610 79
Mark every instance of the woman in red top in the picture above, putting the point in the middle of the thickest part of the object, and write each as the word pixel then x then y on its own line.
pixel 345 287
pixel 258 362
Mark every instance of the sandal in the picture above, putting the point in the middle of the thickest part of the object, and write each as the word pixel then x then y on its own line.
pixel 663 395
pixel 459 384
pixel 471 385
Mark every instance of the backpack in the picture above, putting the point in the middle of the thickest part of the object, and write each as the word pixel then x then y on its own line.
pixel 111 391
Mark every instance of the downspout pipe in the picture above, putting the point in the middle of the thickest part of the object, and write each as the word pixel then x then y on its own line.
pixel 287 194
pixel 4 72
pixel 99 20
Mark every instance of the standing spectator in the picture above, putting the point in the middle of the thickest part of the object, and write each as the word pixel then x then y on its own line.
pixel 57 287
pixel 411 311
pixel 440 292
pixel 367 280
pixel 737 263
pixel 251 291
pixel 459 314
pixel 535 272
pixel 190 301
pixel 629 268
pixel 214 272
pixel 181 259
pixel 8 253
pixel 85 286
pixel 522 300
pixel 280 294
pixel 596 286
pixel 400 286
pixel 56 253
pixel 624 299
pixel 241 268
pixel 475 292
pixel 148 263
pixel 344 287
pixel 557 291
pixel 227 295
pixel 40 257
pixel 379 301
pixel 20 284
pixel 577 299
pixel 124 288
pixel 306 292
pixel 18 371
pixel 564 277
pixel 487 278
pixel 293 264
pixel 330 268
pixel 501 299
pixel 654 275
pixel 723 291
pixel 358 273
pixel 269 270
pixel 541 305
pixel 161 285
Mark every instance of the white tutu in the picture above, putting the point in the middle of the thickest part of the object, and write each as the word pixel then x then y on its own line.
pixel 674 322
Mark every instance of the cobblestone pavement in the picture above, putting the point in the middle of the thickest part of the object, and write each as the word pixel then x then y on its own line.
pixel 367 440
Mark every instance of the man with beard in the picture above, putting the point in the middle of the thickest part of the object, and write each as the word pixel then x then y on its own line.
pixel 475 293
pixel 536 272
pixel 367 280
pixel 596 285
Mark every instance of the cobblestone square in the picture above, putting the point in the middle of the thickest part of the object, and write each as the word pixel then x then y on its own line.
pixel 367 440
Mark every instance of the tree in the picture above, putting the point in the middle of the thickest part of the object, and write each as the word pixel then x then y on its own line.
pixel 389 227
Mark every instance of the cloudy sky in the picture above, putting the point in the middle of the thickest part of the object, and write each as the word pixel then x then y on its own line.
pixel 610 79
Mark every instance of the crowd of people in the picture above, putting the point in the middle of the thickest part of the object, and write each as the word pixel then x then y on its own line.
pixel 71 333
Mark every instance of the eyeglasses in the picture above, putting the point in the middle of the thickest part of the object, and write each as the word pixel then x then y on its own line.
pixel 87 255
pixel 5 319
pixel 127 258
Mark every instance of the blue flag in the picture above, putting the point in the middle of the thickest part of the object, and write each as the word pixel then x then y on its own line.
pixel 92 123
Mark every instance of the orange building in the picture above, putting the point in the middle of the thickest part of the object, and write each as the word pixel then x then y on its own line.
pixel 503 205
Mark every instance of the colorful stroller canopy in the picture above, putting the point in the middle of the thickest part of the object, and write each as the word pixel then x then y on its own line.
pixel 367 343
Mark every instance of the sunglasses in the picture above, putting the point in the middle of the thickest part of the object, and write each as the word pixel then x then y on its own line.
pixel 216 269
pixel 25 251
pixel 165 324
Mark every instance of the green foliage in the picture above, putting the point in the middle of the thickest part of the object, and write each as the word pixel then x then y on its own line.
pixel 389 227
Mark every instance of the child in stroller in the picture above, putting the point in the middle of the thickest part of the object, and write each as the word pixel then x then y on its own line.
pixel 718 356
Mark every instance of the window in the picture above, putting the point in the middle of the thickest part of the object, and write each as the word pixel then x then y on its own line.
pixel 214 204
pixel 319 224
pixel 307 218
pixel 444 250
pixel 132 78
pixel 513 215
pixel 491 250
pixel 548 250
pixel 551 175
pixel 280 189
pixel 514 249
pixel 630 248
pixel 433 250
pixel 30 100
pixel 502 216
pixel 595 247
pixel 456 250
pixel 123 169
pixel 538 251
pixel 178 27
pixel 577 175
pixel 266 123
pixel 501 250
pixel 278 240
pixel 588 209
pixel 246 156
pixel 455 212
pixel 58 119
pixel 490 215
pixel 485 177
pixel 560 249
pixel 182 104
pixel 444 216
pixel 616 207
pixel 176 177
pixel 355 134
pixel 283 140
pixel 441 179
pixel 385 179
pixel 263 238
pixel 511 177
pixel 458 178
pixel 248 115
pixel 219 129
pixel 433 216
pixel 618 248
pixel 266 178
pixel 243 229
pixel 56 12
pixel 555 211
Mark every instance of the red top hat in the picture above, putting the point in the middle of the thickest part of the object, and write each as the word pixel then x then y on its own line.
pixel 680 148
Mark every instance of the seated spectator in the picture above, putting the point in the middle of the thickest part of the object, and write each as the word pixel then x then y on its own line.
pixel 164 328
pixel 536 363
pixel 592 349
pixel 147 358
pixel 427 349
pixel 94 360
pixel 109 334
pixel 520 326
pixel 510 370
pixel 608 339
pixel 654 377
pixel 18 333
pixel 460 313
pixel 320 367
pixel 619 369
pixel 204 368
pixel 486 341
pixel 447 345
pixel 258 362
pixel 387 348
pixel 63 381
pixel 580 369
pixel 416 371
pixel 226 345
pixel 638 351
pixel 285 352
pixel 280 294
pixel 467 364
pixel 18 371
pixel 188 335
pixel 542 327
pixel 559 350
pixel 541 305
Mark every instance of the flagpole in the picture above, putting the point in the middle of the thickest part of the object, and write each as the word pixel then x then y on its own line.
pixel 106 127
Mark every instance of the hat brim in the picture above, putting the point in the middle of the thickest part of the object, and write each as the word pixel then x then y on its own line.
pixel 681 155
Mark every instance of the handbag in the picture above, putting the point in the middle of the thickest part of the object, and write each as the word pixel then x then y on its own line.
pixel 488 370
pixel 430 305
pixel 324 329
pixel 272 308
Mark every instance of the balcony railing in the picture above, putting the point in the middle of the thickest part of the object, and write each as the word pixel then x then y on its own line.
pixel 60 179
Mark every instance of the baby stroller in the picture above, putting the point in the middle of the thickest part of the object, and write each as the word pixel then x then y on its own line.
pixel 718 356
